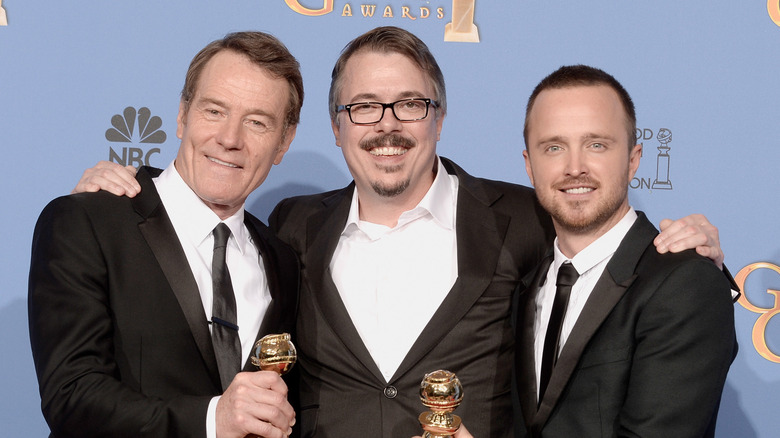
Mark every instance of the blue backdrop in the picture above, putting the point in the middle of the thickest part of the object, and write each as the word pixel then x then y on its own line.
pixel 703 76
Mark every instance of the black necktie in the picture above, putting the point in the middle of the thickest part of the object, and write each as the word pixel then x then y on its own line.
pixel 224 328
pixel 567 276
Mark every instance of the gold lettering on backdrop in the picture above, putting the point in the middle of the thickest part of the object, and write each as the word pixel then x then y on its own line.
pixel 295 5
pixel 773 7
pixel 462 27
pixel 368 10
pixel 759 329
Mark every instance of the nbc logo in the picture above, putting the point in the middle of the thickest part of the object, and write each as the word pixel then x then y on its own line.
pixel 124 131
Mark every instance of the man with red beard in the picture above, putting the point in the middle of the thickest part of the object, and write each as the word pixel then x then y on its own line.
pixel 412 267
pixel 614 339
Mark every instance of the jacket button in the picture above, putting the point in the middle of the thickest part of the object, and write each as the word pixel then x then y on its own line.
pixel 391 392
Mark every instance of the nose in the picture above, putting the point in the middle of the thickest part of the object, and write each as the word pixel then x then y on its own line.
pixel 229 133
pixel 575 162
pixel 388 122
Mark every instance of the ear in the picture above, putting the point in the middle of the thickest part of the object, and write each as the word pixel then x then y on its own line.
pixel 439 125
pixel 334 125
pixel 180 120
pixel 528 166
pixel 633 160
pixel 289 135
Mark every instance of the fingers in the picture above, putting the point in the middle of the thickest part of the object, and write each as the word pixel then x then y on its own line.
pixel 690 232
pixel 109 176
pixel 255 404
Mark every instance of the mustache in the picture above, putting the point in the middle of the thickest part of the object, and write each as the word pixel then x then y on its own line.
pixel 387 140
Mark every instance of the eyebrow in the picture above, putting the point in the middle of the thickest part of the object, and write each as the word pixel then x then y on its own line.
pixel 371 97
pixel 254 111
pixel 588 136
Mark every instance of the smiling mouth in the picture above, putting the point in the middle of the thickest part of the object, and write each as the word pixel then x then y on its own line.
pixel 578 190
pixel 387 151
pixel 224 163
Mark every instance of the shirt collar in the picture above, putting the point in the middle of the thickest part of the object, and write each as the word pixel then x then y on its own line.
pixel 601 248
pixel 193 218
pixel 439 202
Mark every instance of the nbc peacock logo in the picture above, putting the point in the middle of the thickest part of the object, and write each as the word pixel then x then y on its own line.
pixel 135 126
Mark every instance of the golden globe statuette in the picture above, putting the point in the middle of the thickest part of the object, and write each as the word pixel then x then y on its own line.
pixel 442 392
pixel 275 353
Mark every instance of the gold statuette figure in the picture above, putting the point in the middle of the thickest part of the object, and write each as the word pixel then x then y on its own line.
pixel 275 353
pixel 441 392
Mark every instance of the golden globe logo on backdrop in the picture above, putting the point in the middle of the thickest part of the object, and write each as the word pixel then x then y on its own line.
pixel 663 160
pixel 460 28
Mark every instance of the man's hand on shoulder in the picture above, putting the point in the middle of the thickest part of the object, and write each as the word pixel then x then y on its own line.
pixel 255 404
pixel 109 176
pixel 691 232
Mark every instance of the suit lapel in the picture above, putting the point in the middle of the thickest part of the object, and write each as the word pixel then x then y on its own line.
pixel 525 361
pixel 480 233
pixel 161 237
pixel 609 290
pixel 322 235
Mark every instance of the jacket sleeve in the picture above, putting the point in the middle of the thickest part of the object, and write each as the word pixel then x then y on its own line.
pixel 685 343
pixel 72 337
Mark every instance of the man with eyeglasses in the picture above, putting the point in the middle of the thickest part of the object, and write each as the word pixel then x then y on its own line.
pixel 411 267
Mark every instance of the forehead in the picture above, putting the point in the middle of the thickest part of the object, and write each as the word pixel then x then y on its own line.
pixel 233 78
pixel 596 106
pixel 383 76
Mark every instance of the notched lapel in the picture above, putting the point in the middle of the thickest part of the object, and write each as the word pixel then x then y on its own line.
pixel 609 290
pixel 323 230
pixel 525 339
pixel 480 235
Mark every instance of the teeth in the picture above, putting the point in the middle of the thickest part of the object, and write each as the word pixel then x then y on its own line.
pixel 224 163
pixel 387 150
pixel 579 190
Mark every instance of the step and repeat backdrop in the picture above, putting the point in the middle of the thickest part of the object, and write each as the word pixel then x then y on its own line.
pixel 100 80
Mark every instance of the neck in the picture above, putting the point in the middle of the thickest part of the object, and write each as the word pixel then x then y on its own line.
pixel 572 241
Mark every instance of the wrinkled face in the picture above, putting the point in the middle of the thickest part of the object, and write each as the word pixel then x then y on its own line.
pixel 232 132
pixel 578 157
pixel 392 158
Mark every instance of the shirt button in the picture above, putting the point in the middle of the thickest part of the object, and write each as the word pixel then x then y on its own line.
pixel 391 392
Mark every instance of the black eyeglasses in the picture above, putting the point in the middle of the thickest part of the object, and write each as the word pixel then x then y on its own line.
pixel 405 110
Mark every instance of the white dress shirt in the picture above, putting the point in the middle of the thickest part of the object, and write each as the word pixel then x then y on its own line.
pixel 194 223
pixel 392 280
pixel 590 264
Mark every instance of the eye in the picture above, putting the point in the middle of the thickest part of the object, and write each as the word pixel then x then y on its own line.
pixel 414 105
pixel 363 107
pixel 554 148
pixel 598 146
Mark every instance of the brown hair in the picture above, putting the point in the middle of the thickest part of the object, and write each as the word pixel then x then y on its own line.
pixel 389 39
pixel 264 50
pixel 583 75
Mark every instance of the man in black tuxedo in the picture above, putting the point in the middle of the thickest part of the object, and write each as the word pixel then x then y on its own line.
pixel 121 309
pixel 644 340
pixel 411 268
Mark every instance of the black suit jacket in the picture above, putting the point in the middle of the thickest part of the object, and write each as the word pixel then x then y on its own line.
pixel 502 234
pixel 119 337
pixel 648 355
